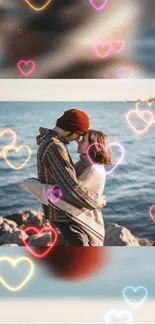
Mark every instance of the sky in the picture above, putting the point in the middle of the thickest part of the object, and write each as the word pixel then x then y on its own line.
pixel 76 90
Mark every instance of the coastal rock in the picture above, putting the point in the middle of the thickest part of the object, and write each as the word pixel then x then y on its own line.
pixel 11 238
pixel 12 245
pixel 35 218
pixel 1 220
pixel 17 217
pixel 12 231
pixel 145 242
pixel 116 235
pixel 37 240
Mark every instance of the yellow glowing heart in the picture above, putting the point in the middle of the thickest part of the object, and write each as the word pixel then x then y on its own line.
pixel 38 9
pixel 140 113
pixel 14 264
pixel 7 148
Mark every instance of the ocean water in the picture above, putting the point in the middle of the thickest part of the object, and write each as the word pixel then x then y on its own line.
pixel 130 189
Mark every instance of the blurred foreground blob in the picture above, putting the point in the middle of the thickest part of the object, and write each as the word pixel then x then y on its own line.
pixel 75 263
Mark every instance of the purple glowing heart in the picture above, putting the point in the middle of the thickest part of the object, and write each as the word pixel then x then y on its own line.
pixel 49 192
pixel 110 145
pixel 98 8
pixel 121 157
pixel 123 69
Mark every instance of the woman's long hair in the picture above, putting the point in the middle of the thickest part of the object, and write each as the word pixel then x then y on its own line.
pixel 99 150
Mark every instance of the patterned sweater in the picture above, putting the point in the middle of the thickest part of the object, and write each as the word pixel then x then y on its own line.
pixel 90 221
pixel 55 166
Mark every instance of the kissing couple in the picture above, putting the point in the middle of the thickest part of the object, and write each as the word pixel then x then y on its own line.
pixel 76 215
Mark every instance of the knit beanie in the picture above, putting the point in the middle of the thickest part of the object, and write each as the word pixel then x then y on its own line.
pixel 74 120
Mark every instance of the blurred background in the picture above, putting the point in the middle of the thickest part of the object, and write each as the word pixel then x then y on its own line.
pixel 60 38
pixel 78 286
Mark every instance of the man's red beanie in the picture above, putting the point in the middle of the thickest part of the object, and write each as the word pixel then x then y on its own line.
pixel 74 120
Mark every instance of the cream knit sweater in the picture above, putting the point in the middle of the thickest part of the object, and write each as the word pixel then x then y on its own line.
pixel 93 176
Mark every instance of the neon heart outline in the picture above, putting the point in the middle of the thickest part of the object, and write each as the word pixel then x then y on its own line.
pixel 125 68
pixel 98 8
pixel 102 44
pixel 135 290
pixel 121 158
pixel 111 47
pixel 118 41
pixel 132 126
pixel 14 138
pixel 14 264
pixel 18 148
pixel 39 232
pixel 53 192
pixel 118 314
pixel 140 112
pixel 26 63
pixel 109 145
pixel 150 212
pixel 38 9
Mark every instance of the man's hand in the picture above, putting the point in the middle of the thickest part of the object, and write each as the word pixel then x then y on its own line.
pixel 102 202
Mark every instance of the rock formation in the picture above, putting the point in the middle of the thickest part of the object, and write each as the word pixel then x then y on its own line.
pixel 12 232
pixel 116 235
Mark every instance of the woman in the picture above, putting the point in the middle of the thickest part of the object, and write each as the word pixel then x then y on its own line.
pixel 78 228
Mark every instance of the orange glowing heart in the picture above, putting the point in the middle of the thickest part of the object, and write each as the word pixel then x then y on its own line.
pixel 133 112
pixel 13 140
pixel 40 8
pixel 140 112
pixel 16 149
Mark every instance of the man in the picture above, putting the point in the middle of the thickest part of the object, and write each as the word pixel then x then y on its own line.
pixel 56 167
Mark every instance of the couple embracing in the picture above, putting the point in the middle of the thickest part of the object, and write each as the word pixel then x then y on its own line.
pixel 77 215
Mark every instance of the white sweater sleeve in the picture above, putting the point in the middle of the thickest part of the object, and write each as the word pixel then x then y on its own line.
pixel 94 177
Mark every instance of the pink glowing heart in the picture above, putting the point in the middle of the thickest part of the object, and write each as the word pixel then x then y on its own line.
pixel 107 46
pixel 150 212
pixel 51 191
pixel 98 8
pixel 118 45
pixel 134 112
pixel 112 46
pixel 23 63
pixel 116 144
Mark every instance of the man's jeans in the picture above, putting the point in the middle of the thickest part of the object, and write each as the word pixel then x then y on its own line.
pixel 71 234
